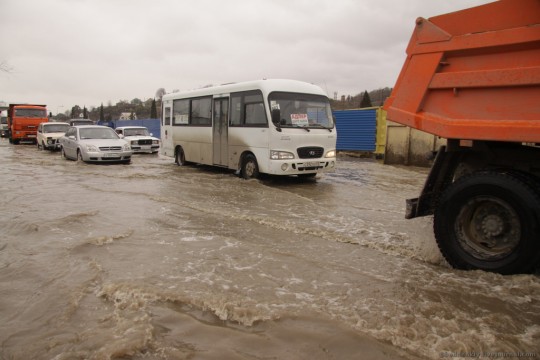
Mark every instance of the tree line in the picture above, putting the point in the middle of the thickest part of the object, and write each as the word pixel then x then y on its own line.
pixel 137 109
pixel 150 108
pixel 365 99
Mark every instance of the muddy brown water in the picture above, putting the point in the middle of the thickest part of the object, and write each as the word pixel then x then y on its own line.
pixel 155 261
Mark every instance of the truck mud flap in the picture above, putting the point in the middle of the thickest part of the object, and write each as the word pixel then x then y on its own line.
pixel 439 177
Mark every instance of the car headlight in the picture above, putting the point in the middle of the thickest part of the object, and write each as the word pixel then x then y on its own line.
pixel 155 142
pixel 91 148
pixel 330 154
pixel 134 142
pixel 127 147
pixel 281 155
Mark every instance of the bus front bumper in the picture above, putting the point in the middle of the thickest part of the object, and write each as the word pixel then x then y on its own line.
pixel 301 166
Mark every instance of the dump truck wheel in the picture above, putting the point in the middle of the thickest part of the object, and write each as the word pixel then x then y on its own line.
pixel 490 221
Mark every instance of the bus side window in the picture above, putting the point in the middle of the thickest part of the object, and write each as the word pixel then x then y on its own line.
pixel 181 112
pixel 201 111
pixel 247 109
pixel 236 110
pixel 167 116
pixel 255 114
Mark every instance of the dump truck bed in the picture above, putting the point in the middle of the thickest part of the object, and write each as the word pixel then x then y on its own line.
pixel 473 74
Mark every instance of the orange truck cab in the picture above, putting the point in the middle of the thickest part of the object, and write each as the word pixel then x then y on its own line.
pixel 23 121
pixel 473 78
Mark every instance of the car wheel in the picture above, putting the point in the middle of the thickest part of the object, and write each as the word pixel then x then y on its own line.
pixel 489 221
pixel 63 153
pixel 38 146
pixel 79 156
pixel 250 168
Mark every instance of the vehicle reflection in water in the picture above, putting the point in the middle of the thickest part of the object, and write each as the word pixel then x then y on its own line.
pixel 153 261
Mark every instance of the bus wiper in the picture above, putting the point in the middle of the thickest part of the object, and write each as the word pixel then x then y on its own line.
pixel 321 127
pixel 301 127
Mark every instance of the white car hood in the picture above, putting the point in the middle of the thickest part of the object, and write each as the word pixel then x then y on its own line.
pixel 54 135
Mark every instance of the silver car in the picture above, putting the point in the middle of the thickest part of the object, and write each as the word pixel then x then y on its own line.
pixel 94 143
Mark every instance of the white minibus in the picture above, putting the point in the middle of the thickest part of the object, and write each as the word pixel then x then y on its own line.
pixel 277 127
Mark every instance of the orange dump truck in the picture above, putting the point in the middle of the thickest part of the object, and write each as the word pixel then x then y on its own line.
pixel 23 121
pixel 473 78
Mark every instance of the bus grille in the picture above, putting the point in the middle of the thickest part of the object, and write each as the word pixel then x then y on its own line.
pixel 310 152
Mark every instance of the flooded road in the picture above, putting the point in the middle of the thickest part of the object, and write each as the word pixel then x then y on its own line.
pixel 155 261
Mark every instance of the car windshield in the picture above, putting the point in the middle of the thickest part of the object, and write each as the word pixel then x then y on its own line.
pixel 302 110
pixel 136 132
pixel 55 128
pixel 97 133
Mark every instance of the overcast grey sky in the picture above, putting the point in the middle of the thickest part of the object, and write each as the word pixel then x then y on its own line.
pixel 87 52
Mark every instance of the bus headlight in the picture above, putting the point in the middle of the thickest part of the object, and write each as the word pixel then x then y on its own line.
pixel 281 155
pixel 330 154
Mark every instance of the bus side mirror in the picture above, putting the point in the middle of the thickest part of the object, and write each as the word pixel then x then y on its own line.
pixel 276 117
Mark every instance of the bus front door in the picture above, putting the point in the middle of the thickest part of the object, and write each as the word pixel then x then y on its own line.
pixel 220 131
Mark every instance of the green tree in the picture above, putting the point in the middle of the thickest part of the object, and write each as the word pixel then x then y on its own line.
pixel 101 113
pixel 75 111
pixel 136 102
pixel 85 113
pixel 153 110
pixel 366 101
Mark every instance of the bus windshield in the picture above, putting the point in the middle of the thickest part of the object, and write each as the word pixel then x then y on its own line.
pixel 302 110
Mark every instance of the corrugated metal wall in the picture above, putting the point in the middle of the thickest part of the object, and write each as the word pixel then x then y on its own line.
pixel 356 129
pixel 153 125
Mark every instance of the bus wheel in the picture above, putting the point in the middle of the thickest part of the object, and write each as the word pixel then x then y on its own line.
pixel 489 221
pixel 179 157
pixel 250 168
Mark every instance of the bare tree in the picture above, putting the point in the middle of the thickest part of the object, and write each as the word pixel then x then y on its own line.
pixel 4 67
pixel 160 92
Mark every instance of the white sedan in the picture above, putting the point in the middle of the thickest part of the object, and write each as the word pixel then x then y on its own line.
pixel 48 134
pixel 139 138
pixel 94 143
